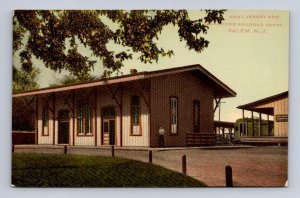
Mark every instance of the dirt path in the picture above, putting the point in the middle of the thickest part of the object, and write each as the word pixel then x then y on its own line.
pixel 258 166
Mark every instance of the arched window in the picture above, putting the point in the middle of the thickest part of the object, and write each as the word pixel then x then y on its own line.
pixel 196 116
pixel 84 118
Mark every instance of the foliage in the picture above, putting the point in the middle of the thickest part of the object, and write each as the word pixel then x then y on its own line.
pixel 68 80
pixel 23 109
pixel 52 170
pixel 55 36
pixel 24 80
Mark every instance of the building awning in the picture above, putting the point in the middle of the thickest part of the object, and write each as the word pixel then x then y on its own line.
pixel 256 106
pixel 221 90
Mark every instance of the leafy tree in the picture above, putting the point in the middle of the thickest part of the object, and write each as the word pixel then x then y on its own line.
pixel 24 80
pixel 68 80
pixel 23 108
pixel 54 36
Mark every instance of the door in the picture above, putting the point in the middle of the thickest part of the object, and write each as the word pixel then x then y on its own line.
pixel 108 132
pixel 108 125
pixel 63 127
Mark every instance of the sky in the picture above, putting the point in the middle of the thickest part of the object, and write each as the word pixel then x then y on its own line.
pixel 248 52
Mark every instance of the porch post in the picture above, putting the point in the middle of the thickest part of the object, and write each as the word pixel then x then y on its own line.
pixel 53 118
pixel 252 123
pixel 268 125
pixel 73 104
pixel 121 116
pixel 244 122
pixel 223 133
pixel 95 113
pixel 259 131
pixel 36 119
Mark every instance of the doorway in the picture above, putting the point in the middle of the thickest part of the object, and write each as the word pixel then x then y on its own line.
pixel 108 125
pixel 63 127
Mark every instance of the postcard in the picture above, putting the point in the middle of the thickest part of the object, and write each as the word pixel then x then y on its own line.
pixel 150 98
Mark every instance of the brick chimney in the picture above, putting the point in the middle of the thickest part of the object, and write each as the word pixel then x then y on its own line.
pixel 133 71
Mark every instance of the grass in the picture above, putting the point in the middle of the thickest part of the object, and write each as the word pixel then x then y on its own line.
pixel 53 170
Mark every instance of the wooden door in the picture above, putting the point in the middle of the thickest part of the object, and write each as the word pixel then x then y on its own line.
pixel 108 131
pixel 63 127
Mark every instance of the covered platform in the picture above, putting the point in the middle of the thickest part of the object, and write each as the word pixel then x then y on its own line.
pixel 275 106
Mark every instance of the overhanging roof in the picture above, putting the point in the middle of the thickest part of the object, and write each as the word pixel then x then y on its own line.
pixel 220 89
pixel 253 106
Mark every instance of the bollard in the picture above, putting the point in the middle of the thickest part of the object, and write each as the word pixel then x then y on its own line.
pixel 228 173
pixel 13 148
pixel 184 164
pixel 150 157
pixel 65 149
pixel 113 151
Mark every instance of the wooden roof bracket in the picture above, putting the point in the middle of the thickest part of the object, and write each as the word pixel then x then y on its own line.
pixel 142 88
pixel 114 93
pixel 217 100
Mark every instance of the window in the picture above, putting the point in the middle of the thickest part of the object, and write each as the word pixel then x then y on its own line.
pixel 84 118
pixel 174 114
pixel 45 120
pixel 196 117
pixel 135 115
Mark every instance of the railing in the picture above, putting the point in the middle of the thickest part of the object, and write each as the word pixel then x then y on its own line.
pixel 200 139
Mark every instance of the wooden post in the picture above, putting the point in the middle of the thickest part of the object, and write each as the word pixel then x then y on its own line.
pixel 260 125
pixel 95 114
pixel 245 131
pixel 228 174
pixel 36 119
pixel 73 121
pixel 65 149
pixel 223 133
pixel 150 157
pixel 113 151
pixel 184 164
pixel 252 119
pixel 268 125
pixel 121 117
pixel 53 103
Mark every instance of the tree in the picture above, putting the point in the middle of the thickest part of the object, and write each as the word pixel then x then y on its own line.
pixel 23 108
pixel 68 80
pixel 54 36
pixel 24 80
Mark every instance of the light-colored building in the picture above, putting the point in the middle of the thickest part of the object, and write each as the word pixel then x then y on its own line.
pixel 275 106
pixel 128 110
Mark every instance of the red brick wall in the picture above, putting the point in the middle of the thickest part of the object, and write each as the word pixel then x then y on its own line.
pixel 186 87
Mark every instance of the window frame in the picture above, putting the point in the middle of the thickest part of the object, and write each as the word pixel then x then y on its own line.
pixel 81 118
pixel 139 117
pixel 171 115
pixel 196 128
pixel 45 111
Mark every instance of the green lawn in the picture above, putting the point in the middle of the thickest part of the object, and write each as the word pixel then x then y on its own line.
pixel 52 170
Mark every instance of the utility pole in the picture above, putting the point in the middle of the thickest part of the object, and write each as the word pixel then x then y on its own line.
pixel 220 117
